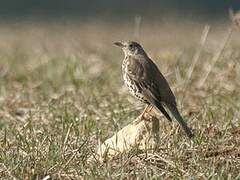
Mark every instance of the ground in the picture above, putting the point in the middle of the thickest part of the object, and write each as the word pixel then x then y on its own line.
pixel 62 93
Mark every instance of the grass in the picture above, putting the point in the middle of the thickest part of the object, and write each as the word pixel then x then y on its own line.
pixel 61 93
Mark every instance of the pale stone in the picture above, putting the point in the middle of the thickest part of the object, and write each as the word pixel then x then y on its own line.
pixel 142 134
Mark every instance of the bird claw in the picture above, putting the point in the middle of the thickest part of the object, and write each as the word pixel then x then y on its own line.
pixel 138 119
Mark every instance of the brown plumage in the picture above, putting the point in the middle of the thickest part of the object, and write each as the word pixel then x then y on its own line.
pixel 146 82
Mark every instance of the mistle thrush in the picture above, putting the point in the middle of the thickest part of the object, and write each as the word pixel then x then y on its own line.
pixel 146 82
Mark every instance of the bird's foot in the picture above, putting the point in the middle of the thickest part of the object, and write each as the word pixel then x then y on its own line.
pixel 139 119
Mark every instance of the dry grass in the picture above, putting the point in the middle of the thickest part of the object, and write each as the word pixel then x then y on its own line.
pixel 61 92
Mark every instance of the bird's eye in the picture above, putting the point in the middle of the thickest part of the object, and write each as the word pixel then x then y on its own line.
pixel 130 46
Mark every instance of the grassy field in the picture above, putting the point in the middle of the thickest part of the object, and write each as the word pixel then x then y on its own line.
pixel 61 93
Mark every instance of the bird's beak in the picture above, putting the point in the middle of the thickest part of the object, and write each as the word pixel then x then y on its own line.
pixel 119 44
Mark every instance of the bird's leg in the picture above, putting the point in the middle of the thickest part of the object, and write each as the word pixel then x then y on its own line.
pixel 139 119
pixel 144 111
pixel 150 108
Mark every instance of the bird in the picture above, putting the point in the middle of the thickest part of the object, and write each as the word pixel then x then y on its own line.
pixel 146 83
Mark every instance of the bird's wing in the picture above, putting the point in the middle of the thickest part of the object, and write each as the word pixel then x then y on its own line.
pixel 146 85
pixel 150 80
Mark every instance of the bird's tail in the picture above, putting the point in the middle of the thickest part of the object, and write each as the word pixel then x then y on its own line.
pixel 173 109
pixel 162 110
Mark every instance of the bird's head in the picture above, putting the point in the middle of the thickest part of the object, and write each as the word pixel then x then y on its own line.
pixel 130 48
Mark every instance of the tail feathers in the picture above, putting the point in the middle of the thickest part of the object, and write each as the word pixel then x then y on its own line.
pixel 161 108
pixel 178 117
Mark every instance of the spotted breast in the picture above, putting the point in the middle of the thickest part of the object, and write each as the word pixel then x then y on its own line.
pixel 132 87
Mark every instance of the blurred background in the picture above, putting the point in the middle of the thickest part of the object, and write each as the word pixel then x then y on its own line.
pixel 124 19
pixel 14 9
